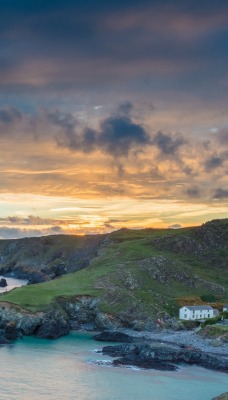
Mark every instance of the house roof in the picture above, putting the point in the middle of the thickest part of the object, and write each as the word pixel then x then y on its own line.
pixel 199 308
pixel 225 306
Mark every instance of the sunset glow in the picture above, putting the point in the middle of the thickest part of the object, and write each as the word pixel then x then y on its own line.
pixel 112 114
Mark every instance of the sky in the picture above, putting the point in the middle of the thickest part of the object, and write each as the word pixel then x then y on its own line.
pixel 112 114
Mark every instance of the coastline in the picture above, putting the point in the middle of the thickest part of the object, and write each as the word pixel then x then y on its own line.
pixel 180 338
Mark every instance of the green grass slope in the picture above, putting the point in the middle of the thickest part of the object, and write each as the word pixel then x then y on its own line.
pixel 141 273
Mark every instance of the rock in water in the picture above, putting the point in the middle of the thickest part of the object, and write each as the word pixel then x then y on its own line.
pixel 3 282
pixel 145 356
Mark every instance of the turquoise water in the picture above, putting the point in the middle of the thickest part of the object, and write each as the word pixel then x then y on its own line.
pixel 62 369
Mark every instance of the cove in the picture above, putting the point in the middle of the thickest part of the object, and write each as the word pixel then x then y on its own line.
pixel 63 369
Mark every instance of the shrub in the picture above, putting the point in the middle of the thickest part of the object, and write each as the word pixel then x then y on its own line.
pixel 208 298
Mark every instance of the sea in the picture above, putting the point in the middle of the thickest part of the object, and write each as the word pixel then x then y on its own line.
pixel 12 283
pixel 66 369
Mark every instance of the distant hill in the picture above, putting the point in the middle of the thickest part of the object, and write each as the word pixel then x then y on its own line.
pixel 137 274
pixel 44 258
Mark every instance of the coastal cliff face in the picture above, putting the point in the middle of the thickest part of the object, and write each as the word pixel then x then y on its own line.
pixel 63 315
pixel 16 321
pixel 132 278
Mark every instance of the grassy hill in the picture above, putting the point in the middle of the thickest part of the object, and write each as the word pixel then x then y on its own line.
pixel 45 258
pixel 139 273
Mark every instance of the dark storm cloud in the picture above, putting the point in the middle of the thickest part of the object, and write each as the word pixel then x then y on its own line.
pixel 117 135
pixel 213 163
pixel 83 44
pixel 120 134
pixel 167 144
pixel 221 193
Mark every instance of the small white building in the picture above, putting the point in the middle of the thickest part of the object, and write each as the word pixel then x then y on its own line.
pixel 196 312
pixel 225 308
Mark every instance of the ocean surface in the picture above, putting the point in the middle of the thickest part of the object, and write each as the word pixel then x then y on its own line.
pixel 33 369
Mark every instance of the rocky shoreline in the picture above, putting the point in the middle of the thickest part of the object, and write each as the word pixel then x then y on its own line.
pixel 138 349
pixel 167 358
pixel 142 351
pixel 182 338
pixel 63 315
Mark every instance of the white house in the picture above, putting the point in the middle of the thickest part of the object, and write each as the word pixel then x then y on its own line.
pixel 225 308
pixel 196 312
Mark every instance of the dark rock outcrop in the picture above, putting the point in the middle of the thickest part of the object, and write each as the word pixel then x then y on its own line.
pixel 22 321
pixel 113 336
pixel 180 244
pixel 143 355
pixel 53 325
pixel 3 282
pixel 9 333
pixel 62 315
pixel 84 311
pixel 3 339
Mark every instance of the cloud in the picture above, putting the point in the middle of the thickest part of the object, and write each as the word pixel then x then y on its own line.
pixel 70 45
pixel 213 163
pixel 9 115
pixel 175 226
pixel 16 233
pixel 117 135
pixel 29 221
pixel 193 192
pixel 167 144
pixel 221 193
pixel 222 137
pixel 125 108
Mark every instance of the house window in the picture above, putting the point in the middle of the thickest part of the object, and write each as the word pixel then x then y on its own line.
pixel 208 315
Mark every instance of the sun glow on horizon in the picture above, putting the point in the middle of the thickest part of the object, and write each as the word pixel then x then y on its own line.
pixel 36 215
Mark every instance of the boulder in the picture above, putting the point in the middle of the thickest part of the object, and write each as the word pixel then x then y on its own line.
pixel 3 282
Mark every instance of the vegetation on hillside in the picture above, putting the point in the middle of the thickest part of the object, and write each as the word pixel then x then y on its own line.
pixel 140 273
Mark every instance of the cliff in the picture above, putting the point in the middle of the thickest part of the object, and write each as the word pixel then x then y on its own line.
pixel 136 276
